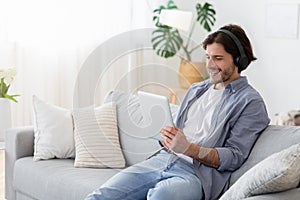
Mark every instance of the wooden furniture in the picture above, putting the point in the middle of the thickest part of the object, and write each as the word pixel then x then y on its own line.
pixel 176 95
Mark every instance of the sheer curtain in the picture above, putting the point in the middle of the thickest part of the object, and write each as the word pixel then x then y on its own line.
pixel 48 40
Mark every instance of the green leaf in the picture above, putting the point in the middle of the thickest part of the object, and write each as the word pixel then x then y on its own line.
pixel 3 88
pixel 11 97
pixel 171 5
pixel 167 42
pixel 165 39
pixel 6 87
pixel 206 15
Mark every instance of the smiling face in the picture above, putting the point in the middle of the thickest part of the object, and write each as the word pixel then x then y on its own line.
pixel 220 66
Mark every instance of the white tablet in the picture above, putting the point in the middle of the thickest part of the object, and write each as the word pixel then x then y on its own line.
pixel 156 112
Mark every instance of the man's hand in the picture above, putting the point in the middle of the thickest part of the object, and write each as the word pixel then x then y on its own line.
pixel 174 139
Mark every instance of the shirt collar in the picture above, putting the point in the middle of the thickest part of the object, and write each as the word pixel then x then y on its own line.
pixel 237 84
pixel 232 86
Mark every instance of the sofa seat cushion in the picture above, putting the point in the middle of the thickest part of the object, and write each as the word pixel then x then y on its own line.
pixel 57 179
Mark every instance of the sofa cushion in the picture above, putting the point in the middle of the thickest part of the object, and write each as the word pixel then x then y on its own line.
pixel 292 194
pixel 278 172
pixel 272 140
pixel 53 131
pixel 57 179
pixel 96 137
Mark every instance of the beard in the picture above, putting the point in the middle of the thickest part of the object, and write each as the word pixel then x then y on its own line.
pixel 220 76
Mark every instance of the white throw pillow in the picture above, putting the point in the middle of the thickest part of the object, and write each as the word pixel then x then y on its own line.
pixel 278 172
pixel 53 131
pixel 96 137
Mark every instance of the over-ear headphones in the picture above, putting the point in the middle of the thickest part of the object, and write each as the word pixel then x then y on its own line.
pixel 241 61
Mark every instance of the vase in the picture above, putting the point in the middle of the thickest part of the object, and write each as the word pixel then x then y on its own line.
pixel 191 72
pixel 5 117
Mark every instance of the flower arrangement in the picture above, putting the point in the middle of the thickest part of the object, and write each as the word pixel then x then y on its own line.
pixel 6 78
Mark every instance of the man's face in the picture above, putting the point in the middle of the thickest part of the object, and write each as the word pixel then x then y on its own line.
pixel 220 65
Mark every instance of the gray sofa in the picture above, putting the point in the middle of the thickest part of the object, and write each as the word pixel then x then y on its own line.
pixel 58 178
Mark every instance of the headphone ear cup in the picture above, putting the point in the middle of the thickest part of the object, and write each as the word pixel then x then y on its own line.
pixel 242 62
pixel 236 61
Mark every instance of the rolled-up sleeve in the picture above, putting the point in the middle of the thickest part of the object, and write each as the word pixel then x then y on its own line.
pixel 252 120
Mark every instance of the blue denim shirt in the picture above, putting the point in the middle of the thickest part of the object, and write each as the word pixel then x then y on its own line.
pixel 238 119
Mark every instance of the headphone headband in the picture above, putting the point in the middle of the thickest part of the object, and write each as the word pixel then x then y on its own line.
pixel 242 61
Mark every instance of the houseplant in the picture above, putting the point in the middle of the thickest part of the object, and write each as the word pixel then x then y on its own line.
pixel 167 41
pixel 6 78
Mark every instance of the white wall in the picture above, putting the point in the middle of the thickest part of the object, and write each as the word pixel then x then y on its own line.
pixel 276 72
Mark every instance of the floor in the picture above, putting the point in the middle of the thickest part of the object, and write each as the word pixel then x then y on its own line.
pixel 2 174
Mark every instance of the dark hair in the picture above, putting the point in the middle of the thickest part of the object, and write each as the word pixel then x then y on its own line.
pixel 229 44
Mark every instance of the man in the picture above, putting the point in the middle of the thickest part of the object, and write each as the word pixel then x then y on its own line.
pixel 216 126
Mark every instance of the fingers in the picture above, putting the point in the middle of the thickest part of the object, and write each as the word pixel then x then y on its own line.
pixel 167 146
pixel 167 139
pixel 167 134
pixel 172 137
pixel 170 128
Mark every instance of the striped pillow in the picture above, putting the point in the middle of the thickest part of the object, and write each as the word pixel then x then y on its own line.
pixel 96 137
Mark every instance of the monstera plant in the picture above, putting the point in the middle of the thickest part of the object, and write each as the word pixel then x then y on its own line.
pixel 167 41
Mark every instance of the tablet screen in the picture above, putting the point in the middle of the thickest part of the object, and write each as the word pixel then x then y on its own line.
pixel 156 113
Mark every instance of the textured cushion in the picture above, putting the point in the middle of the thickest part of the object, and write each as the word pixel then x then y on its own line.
pixel 96 137
pixel 272 140
pixel 278 172
pixel 292 194
pixel 53 131
pixel 134 136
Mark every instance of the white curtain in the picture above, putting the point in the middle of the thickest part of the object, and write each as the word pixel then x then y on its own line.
pixel 48 40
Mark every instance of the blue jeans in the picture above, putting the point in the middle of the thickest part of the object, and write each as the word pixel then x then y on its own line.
pixel 161 177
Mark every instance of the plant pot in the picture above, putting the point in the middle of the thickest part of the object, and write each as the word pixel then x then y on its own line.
pixel 5 117
pixel 191 72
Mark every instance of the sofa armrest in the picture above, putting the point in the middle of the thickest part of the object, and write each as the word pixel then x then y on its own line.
pixel 18 143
